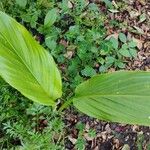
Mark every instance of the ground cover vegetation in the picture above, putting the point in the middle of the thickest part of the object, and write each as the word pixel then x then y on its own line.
pixel 75 34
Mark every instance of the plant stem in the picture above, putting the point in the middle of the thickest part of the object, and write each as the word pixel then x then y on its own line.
pixel 65 105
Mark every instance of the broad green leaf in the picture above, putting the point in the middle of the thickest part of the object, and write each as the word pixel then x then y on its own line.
pixel 50 43
pixel 21 3
pixel 26 65
pixel 103 68
pixel 50 17
pixel 122 37
pixel 120 64
pixel 133 52
pixel 110 60
pixel 114 42
pixel 124 46
pixel 125 52
pixel 119 97
pixel 88 71
pixel 132 44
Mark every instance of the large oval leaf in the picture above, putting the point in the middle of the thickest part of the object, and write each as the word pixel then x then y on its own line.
pixel 25 65
pixel 120 97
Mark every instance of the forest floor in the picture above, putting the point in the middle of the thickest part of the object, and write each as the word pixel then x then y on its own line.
pixel 75 61
pixel 114 136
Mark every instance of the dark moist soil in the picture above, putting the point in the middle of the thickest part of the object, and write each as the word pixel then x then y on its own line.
pixel 109 136
pixel 115 136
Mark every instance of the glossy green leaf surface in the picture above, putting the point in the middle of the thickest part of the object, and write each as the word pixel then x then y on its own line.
pixel 26 65
pixel 119 97
pixel 50 17
pixel 122 37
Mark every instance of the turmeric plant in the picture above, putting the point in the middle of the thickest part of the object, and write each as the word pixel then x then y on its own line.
pixel 122 96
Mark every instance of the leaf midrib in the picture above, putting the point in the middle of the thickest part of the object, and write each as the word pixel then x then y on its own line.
pixel 106 95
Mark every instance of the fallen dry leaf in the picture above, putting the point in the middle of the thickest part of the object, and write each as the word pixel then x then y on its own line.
pixel 143 2
pixel 115 35
pixel 72 140
pixel 139 43
pixel 70 4
pixel 126 147
pixel 87 137
pixel 68 54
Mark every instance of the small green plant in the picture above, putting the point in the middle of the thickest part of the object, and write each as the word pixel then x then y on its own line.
pixel 28 67
pixel 140 139
pixel 128 48
pixel 82 135
pixel 80 143
pixel 92 133
pixel 120 47
pixel 35 128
